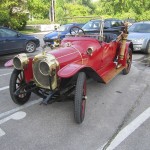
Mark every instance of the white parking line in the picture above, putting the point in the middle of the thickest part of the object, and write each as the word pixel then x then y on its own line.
pixel 16 116
pixel 124 133
pixel 4 88
pixel 2 132
pixel 5 74
pixel 20 108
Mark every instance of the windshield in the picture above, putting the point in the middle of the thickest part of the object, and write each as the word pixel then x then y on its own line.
pixel 140 28
pixel 64 28
pixel 92 25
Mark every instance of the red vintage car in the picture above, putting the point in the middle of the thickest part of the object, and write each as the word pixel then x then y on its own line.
pixel 57 74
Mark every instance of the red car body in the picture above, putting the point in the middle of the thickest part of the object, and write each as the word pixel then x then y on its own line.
pixel 64 70
pixel 74 58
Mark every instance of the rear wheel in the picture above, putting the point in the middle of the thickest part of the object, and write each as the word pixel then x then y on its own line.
pixel 30 47
pixel 17 81
pixel 126 70
pixel 80 98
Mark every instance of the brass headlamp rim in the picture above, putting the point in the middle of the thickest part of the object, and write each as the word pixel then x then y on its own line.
pixel 45 74
pixel 22 59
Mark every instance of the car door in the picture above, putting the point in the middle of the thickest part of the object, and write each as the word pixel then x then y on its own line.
pixel 10 41
pixel 1 42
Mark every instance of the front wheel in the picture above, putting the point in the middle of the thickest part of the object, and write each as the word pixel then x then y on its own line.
pixel 126 70
pixel 17 81
pixel 148 48
pixel 80 98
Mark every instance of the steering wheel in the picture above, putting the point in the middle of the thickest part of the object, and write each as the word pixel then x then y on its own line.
pixel 75 30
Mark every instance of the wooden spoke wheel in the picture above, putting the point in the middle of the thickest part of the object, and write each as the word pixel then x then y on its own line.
pixel 126 70
pixel 80 98
pixel 17 83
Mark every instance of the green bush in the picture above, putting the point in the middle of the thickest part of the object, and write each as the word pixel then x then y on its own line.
pixel 16 21
pixel 4 18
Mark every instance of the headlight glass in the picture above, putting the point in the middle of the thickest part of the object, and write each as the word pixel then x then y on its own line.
pixel 20 61
pixel 44 68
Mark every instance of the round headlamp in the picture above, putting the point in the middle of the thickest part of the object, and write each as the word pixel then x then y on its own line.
pixel 48 66
pixel 44 68
pixel 20 61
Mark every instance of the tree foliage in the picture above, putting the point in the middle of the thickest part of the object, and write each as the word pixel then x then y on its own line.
pixel 13 13
pixel 124 8
pixel 38 8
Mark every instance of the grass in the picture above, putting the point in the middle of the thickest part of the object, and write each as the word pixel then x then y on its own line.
pixel 29 31
pixel 38 21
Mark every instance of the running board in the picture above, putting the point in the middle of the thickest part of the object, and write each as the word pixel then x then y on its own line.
pixel 111 74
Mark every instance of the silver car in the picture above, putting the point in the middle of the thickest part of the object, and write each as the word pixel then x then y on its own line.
pixel 139 34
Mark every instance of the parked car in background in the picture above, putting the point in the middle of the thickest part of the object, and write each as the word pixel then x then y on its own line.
pixel 12 41
pixel 139 34
pixel 54 37
pixel 110 26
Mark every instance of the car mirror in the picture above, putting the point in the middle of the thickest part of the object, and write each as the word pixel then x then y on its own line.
pixel 90 51
pixel 18 34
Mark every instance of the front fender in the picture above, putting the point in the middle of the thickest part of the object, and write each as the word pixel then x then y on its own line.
pixel 69 70
pixel 9 63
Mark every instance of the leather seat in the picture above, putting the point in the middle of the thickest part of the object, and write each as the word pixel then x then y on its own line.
pixel 108 37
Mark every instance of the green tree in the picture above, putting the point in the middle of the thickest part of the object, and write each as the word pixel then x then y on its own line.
pixel 13 13
pixel 39 9
pixel 138 9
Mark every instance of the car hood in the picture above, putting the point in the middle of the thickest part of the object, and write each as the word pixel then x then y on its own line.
pixel 54 34
pixel 29 36
pixel 133 35
pixel 91 29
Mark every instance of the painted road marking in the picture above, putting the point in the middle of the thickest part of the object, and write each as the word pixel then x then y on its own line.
pixel 20 108
pixel 5 74
pixel 4 88
pixel 16 116
pixel 125 132
pixel 2 132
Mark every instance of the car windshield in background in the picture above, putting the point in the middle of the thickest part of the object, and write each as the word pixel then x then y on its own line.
pixel 92 25
pixel 64 28
pixel 109 23
pixel 141 28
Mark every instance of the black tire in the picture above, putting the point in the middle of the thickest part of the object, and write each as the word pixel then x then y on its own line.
pixel 80 98
pixel 16 80
pixel 148 48
pixel 30 47
pixel 128 62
